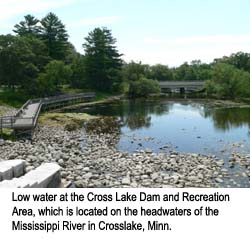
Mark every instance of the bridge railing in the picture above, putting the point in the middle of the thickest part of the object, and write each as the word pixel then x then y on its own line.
pixel 10 121
pixel 48 100
pixel 20 111
pixel 35 118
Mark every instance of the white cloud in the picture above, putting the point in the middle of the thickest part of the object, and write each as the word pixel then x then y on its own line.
pixel 175 51
pixel 11 8
pixel 100 21
pixel 214 39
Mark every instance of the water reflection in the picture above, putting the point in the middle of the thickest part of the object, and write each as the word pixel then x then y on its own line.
pixel 226 119
pixel 138 114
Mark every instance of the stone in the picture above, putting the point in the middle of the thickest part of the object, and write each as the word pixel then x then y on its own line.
pixel 61 162
pixel 219 180
pixel 154 176
pixel 87 175
pixel 126 181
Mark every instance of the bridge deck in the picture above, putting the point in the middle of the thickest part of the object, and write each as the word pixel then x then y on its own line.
pixel 26 117
pixel 180 84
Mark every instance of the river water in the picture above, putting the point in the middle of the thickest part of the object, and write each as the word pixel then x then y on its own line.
pixel 183 126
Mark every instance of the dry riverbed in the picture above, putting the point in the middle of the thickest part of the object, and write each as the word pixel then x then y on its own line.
pixel 85 147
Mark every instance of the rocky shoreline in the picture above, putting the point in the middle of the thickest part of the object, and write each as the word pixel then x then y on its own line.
pixel 92 160
pixel 89 158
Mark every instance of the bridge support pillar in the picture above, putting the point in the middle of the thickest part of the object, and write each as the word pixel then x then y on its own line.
pixel 182 90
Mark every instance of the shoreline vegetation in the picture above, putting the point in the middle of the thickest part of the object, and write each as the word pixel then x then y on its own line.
pixel 38 60
pixel 85 147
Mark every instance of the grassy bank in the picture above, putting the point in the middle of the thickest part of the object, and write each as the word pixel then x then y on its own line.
pixel 68 121
pixel 13 98
pixel 16 98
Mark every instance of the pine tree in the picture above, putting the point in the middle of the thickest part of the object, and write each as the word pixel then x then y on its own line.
pixel 28 27
pixel 55 36
pixel 102 60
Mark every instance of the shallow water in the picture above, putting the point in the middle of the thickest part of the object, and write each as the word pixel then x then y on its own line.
pixel 183 126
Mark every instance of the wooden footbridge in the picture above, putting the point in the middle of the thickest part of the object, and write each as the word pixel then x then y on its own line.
pixel 181 86
pixel 25 120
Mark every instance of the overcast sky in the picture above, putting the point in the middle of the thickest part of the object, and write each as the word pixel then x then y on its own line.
pixel 153 31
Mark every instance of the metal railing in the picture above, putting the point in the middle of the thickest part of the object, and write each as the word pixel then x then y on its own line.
pixel 30 122
pixel 12 122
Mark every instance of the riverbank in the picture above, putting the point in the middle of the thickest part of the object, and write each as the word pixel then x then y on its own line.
pixel 6 110
pixel 109 99
pixel 89 157
pixel 92 160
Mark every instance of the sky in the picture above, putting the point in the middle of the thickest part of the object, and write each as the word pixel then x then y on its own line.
pixel 169 32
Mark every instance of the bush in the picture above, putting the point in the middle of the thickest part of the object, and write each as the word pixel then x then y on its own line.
pixel 143 87
pixel 228 82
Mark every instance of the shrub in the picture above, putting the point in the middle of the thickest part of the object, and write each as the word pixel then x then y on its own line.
pixel 143 87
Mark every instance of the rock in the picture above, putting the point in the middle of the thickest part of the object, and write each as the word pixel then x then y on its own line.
pixel 87 175
pixel 149 151
pixel 29 168
pixel 81 183
pixel 220 162
pixel 154 176
pixel 61 162
pixel 92 160
pixel 126 181
pixel 86 169
pixel 219 180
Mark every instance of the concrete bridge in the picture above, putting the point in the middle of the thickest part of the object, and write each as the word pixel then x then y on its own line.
pixel 25 120
pixel 181 86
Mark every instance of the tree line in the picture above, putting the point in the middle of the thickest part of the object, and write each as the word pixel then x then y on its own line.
pixel 38 60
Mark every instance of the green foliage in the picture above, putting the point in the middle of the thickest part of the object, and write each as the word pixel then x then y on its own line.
pixel 143 87
pixel 161 73
pixel 239 60
pixel 28 27
pixel 134 71
pixel 78 78
pixel 16 61
pixel 56 73
pixel 13 98
pixel 102 60
pixel 39 61
pixel 55 36
pixel 228 81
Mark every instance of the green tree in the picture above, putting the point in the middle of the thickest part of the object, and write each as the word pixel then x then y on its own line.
pixel 56 73
pixel 143 87
pixel 185 72
pixel 161 73
pixel 39 49
pixel 227 81
pixel 55 36
pixel 240 60
pixel 78 78
pixel 17 66
pixel 102 60
pixel 28 27
pixel 133 71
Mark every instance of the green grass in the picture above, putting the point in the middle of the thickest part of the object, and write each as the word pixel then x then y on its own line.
pixel 102 95
pixel 68 89
pixel 12 98
pixel 8 134
pixel 17 98
pixel 99 95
